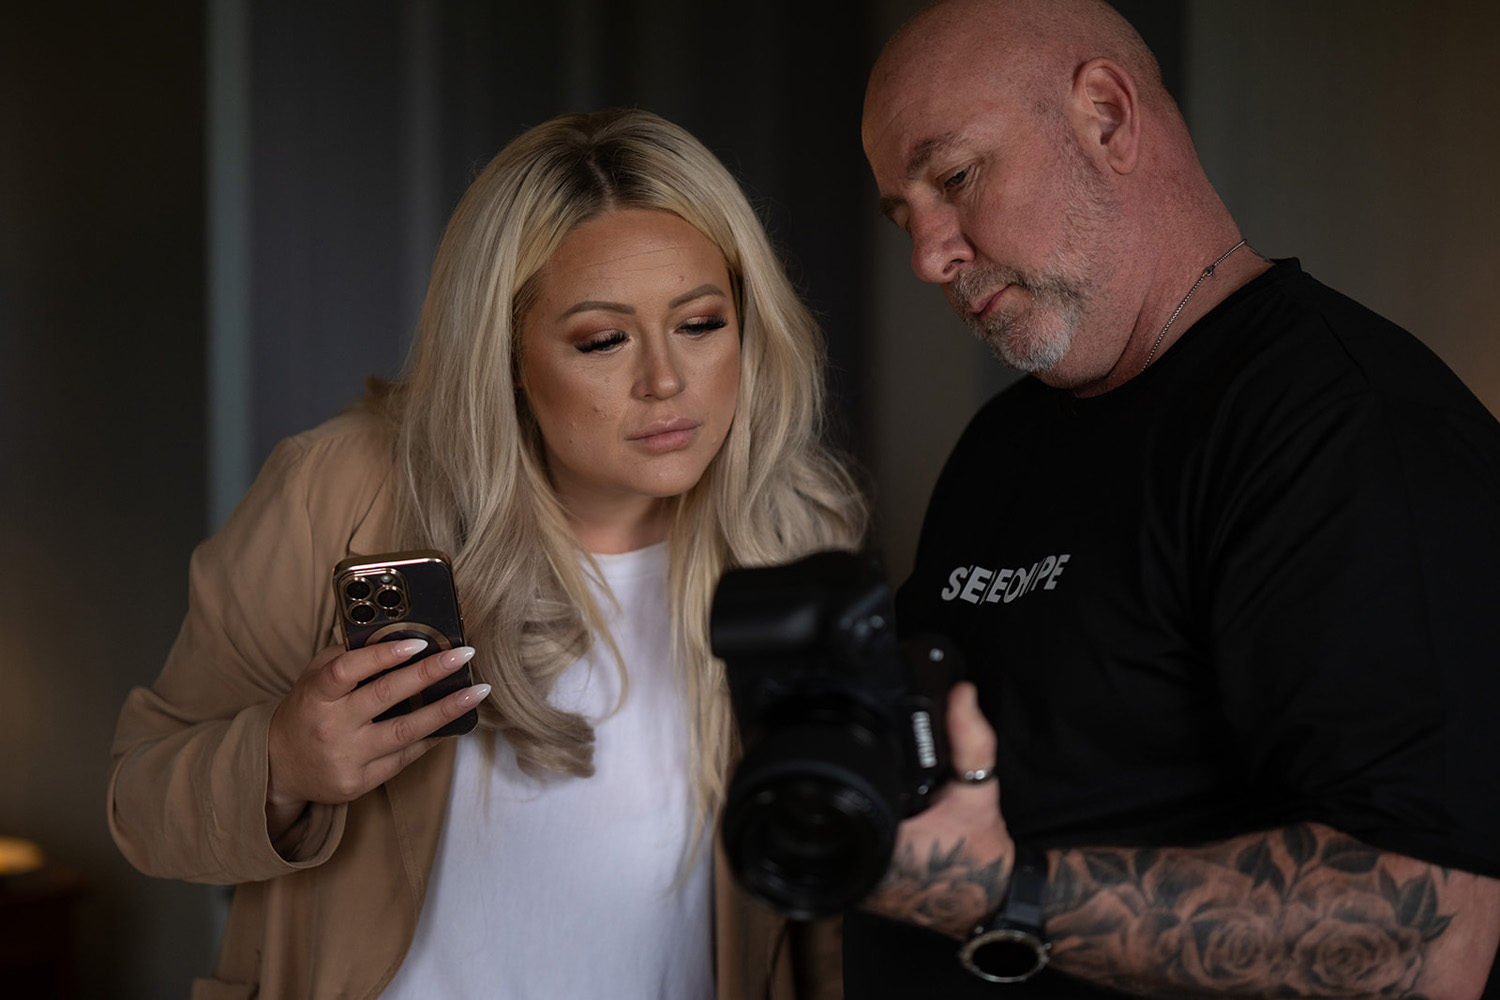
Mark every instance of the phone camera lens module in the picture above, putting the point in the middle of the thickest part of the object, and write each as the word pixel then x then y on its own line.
pixel 357 590
pixel 362 614
pixel 389 598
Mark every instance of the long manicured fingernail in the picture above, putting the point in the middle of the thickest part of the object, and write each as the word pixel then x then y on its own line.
pixel 408 647
pixel 474 695
pixel 457 657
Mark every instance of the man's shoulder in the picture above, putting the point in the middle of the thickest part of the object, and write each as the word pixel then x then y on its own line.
pixel 1297 338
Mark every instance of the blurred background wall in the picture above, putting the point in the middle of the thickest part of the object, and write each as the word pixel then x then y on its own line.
pixel 216 218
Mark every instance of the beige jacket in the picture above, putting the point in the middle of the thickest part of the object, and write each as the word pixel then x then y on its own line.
pixel 330 910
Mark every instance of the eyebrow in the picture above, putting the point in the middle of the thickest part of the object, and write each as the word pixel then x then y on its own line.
pixel 597 305
pixel 920 157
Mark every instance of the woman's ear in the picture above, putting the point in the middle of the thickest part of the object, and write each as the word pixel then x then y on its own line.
pixel 1105 112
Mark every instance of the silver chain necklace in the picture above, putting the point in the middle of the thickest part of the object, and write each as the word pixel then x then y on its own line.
pixel 1207 273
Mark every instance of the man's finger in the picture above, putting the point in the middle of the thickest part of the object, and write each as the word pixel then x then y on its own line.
pixel 971 740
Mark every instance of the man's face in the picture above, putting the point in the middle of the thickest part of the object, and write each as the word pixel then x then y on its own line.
pixel 1004 210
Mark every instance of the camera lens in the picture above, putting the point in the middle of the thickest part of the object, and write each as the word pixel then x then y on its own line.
pixel 389 598
pixel 356 590
pixel 362 614
pixel 809 823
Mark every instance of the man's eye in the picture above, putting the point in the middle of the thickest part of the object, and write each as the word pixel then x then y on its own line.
pixel 602 342
pixel 956 180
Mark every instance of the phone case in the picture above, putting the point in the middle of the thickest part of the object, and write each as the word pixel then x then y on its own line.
pixel 405 595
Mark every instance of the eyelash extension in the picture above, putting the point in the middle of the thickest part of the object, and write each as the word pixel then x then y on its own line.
pixel 602 342
pixel 605 341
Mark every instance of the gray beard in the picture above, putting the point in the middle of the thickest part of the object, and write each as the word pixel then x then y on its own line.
pixel 1034 339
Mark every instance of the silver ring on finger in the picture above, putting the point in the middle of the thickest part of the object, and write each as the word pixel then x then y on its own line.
pixel 978 776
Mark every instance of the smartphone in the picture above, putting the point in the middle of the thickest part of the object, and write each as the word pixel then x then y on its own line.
pixel 405 595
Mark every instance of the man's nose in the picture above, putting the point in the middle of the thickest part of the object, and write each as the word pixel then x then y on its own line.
pixel 938 246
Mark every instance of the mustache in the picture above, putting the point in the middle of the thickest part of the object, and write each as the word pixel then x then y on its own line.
pixel 982 279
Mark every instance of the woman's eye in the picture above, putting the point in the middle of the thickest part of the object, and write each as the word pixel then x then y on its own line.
pixel 602 342
pixel 698 327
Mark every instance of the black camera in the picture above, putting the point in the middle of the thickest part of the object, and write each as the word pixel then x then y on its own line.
pixel 842 728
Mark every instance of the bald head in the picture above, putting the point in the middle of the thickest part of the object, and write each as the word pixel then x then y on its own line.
pixel 1045 176
pixel 1032 47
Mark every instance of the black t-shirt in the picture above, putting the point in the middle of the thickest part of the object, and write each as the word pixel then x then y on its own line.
pixel 1252 586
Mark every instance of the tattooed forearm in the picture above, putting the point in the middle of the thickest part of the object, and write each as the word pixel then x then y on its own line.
pixel 947 890
pixel 1303 911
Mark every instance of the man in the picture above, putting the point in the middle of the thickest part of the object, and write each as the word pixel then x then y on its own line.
pixel 1221 570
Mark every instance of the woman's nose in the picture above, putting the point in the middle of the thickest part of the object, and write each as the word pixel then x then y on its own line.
pixel 660 375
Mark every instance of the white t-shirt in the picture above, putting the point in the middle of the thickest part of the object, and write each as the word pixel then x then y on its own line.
pixel 571 887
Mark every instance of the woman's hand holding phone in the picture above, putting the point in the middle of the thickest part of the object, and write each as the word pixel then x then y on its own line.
pixel 325 744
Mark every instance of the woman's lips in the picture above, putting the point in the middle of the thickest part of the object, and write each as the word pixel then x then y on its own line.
pixel 666 435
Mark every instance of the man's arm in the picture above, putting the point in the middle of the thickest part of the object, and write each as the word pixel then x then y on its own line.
pixel 1301 911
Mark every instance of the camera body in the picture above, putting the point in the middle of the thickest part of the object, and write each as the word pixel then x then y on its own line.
pixel 842 728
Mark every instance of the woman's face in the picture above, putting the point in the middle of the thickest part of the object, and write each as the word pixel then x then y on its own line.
pixel 630 358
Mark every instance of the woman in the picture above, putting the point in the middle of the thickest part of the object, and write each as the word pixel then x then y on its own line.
pixel 613 396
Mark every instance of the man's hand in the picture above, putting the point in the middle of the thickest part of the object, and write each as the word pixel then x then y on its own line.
pixel 952 861
pixel 1302 910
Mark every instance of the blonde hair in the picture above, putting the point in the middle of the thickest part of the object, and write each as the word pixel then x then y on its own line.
pixel 473 479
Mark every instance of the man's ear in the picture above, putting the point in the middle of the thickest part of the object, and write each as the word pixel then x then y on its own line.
pixel 1105 113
